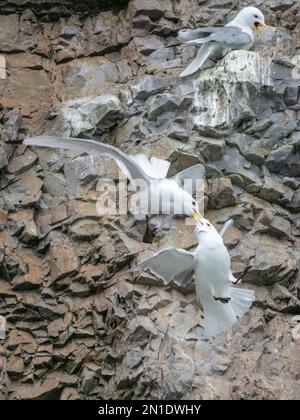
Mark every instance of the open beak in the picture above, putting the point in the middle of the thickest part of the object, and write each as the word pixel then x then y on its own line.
pixel 196 215
pixel 258 26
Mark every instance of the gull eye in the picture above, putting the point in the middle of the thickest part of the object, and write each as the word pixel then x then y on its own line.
pixel 208 224
pixel 194 202
pixel 256 17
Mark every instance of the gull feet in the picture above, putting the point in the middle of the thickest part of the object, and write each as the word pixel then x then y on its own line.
pixel 223 300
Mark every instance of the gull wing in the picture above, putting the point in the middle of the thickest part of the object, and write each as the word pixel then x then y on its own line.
pixel 188 178
pixel 168 264
pixel 153 167
pixel 232 37
pixel 185 35
pixel 127 165
pixel 225 227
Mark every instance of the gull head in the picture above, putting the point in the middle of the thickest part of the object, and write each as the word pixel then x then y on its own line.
pixel 205 225
pixel 190 207
pixel 253 18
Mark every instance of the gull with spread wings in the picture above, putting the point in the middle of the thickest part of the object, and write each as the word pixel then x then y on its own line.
pixel 168 192
pixel 223 303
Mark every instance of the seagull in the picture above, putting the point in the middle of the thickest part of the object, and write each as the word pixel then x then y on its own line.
pixel 222 303
pixel 216 42
pixel 148 177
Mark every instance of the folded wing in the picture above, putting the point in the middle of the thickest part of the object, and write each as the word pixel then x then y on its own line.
pixel 231 37
pixel 185 35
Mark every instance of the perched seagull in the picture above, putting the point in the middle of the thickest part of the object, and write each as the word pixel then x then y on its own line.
pixel 147 176
pixel 216 42
pixel 223 304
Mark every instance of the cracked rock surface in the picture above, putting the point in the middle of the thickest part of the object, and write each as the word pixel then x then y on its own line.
pixel 78 326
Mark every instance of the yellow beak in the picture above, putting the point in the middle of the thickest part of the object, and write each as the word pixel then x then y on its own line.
pixel 196 215
pixel 259 27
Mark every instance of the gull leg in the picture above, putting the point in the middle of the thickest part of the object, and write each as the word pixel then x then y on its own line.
pixel 149 234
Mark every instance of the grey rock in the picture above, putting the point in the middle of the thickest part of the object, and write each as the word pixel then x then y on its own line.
pixel 68 32
pixel 10 129
pixel 20 163
pixel 6 151
pixel 130 369
pixel 212 149
pixel 80 170
pixel 92 115
pixel 55 184
pixel 233 162
pixel 253 150
pixel 89 380
pixel 291 183
pixel 161 103
pixel 175 385
pixel 277 159
pixel 275 192
pixel 148 86
pixel 179 130
pixel 291 95
pixel 283 124
pixel 294 205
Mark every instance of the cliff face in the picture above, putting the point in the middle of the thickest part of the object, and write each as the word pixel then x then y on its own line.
pixel 73 331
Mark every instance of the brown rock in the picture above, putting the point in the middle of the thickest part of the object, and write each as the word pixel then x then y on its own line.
pixel 32 271
pixel 263 260
pixel 15 367
pixel 23 222
pixel 85 229
pixel 64 260
pixel 29 89
pixel 276 226
pixel 221 194
pixel 3 219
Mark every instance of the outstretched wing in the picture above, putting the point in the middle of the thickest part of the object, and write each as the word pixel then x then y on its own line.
pixel 225 227
pixel 231 37
pixel 154 168
pixel 168 264
pixel 127 165
pixel 190 178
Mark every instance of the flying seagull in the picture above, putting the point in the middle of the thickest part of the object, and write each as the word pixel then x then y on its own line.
pixel 223 304
pixel 147 176
pixel 216 42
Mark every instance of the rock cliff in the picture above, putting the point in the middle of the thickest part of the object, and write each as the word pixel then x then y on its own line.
pixel 109 71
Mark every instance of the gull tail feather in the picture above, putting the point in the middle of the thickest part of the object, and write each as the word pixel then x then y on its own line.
pixel 241 300
pixel 203 54
pixel 220 317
